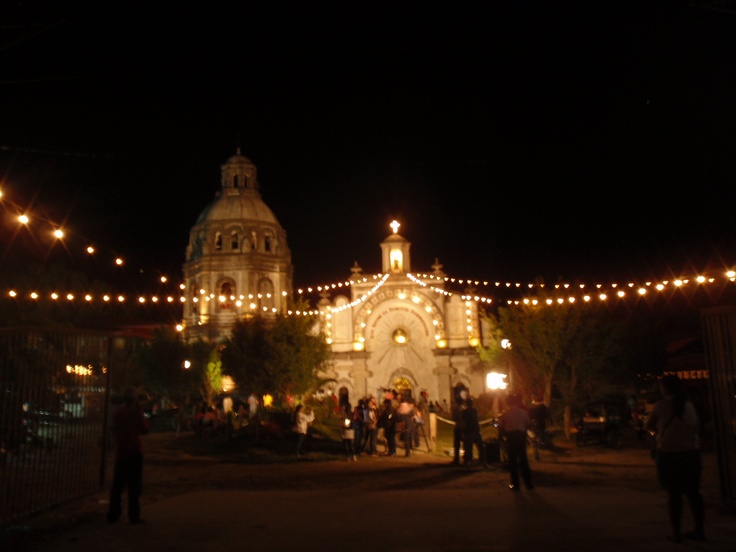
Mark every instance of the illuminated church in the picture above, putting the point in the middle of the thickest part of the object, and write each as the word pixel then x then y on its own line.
pixel 395 330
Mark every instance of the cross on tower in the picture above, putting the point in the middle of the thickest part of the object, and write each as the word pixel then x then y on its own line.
pixel 394 226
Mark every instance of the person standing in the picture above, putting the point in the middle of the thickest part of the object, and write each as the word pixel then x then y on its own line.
pixel 358 425
pixel 129 424
pixel 387 421
pixel 472 435
pixel 457 430
pixel 514 423
pixel 252 405
pixel 371 427
pixel 348 437
pixel 302 420
pixel 405 411
pixel 674 423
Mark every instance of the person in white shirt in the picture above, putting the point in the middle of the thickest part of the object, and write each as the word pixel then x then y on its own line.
pixel 252 405
pixel 674 423
pixel 301 427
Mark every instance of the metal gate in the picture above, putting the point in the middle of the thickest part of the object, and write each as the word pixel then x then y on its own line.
pixel 719 331
pixel 54 391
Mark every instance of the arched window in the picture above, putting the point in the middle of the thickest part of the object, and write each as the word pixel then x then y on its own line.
pixel 267 243
pixel 235 181
pixel 234 240
pixel 218 242
pixel 225 300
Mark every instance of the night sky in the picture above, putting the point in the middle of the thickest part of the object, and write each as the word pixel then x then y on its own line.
pixel 561 140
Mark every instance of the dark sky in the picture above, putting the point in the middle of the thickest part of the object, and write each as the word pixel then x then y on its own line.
pixel 569 140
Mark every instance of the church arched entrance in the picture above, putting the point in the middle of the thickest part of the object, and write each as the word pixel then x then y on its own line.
pixel 403 384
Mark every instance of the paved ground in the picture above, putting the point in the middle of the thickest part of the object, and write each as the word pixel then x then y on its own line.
pixel 585 499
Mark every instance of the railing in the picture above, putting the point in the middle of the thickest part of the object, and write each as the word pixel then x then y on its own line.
pixel 719 333
pixel 54 396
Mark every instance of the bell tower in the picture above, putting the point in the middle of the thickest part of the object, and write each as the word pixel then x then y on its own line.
pixel 395 252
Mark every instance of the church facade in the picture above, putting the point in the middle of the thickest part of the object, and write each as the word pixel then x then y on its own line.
pixel 398 329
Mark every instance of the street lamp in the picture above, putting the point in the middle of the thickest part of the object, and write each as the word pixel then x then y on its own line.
pixel 495 382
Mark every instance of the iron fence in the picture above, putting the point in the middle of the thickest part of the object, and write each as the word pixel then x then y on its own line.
pixel 54 397
pixel 719 331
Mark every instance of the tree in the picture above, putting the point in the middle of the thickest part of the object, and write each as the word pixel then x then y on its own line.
pixel 212 378
pixel 162 362
pixel 281 356
pixel 201 377
pixel 559 345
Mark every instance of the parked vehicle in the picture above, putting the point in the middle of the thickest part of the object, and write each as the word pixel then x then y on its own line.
pixel 601 423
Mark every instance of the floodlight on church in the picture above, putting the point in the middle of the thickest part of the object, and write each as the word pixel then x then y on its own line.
pixel 399 336
pixel 495 381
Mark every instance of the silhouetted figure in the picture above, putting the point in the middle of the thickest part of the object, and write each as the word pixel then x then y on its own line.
pixel 472 435
pixel 129 424
pixel 387 420
pixel 674 423
pixel 514 424
pixel 457 430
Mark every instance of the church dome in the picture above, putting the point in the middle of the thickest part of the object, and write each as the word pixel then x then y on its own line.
pixel 241 207
pixel 236 248
pixel 237 221
pixel 239 198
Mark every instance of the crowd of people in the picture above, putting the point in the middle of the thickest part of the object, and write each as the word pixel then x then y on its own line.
pixel 674 422
pixel 398 418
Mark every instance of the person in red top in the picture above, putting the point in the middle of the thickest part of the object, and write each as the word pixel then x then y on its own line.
pixel 129 424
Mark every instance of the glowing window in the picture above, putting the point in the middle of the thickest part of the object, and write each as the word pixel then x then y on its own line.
pixel 396 259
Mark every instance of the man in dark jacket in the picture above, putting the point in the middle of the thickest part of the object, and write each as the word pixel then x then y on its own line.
pixel 129 424
pixel 457 430
pixel 472 435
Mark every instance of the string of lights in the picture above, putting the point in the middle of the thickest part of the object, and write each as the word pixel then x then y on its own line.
pixel 496 291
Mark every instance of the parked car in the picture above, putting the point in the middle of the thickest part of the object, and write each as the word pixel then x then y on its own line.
pixel 601 423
